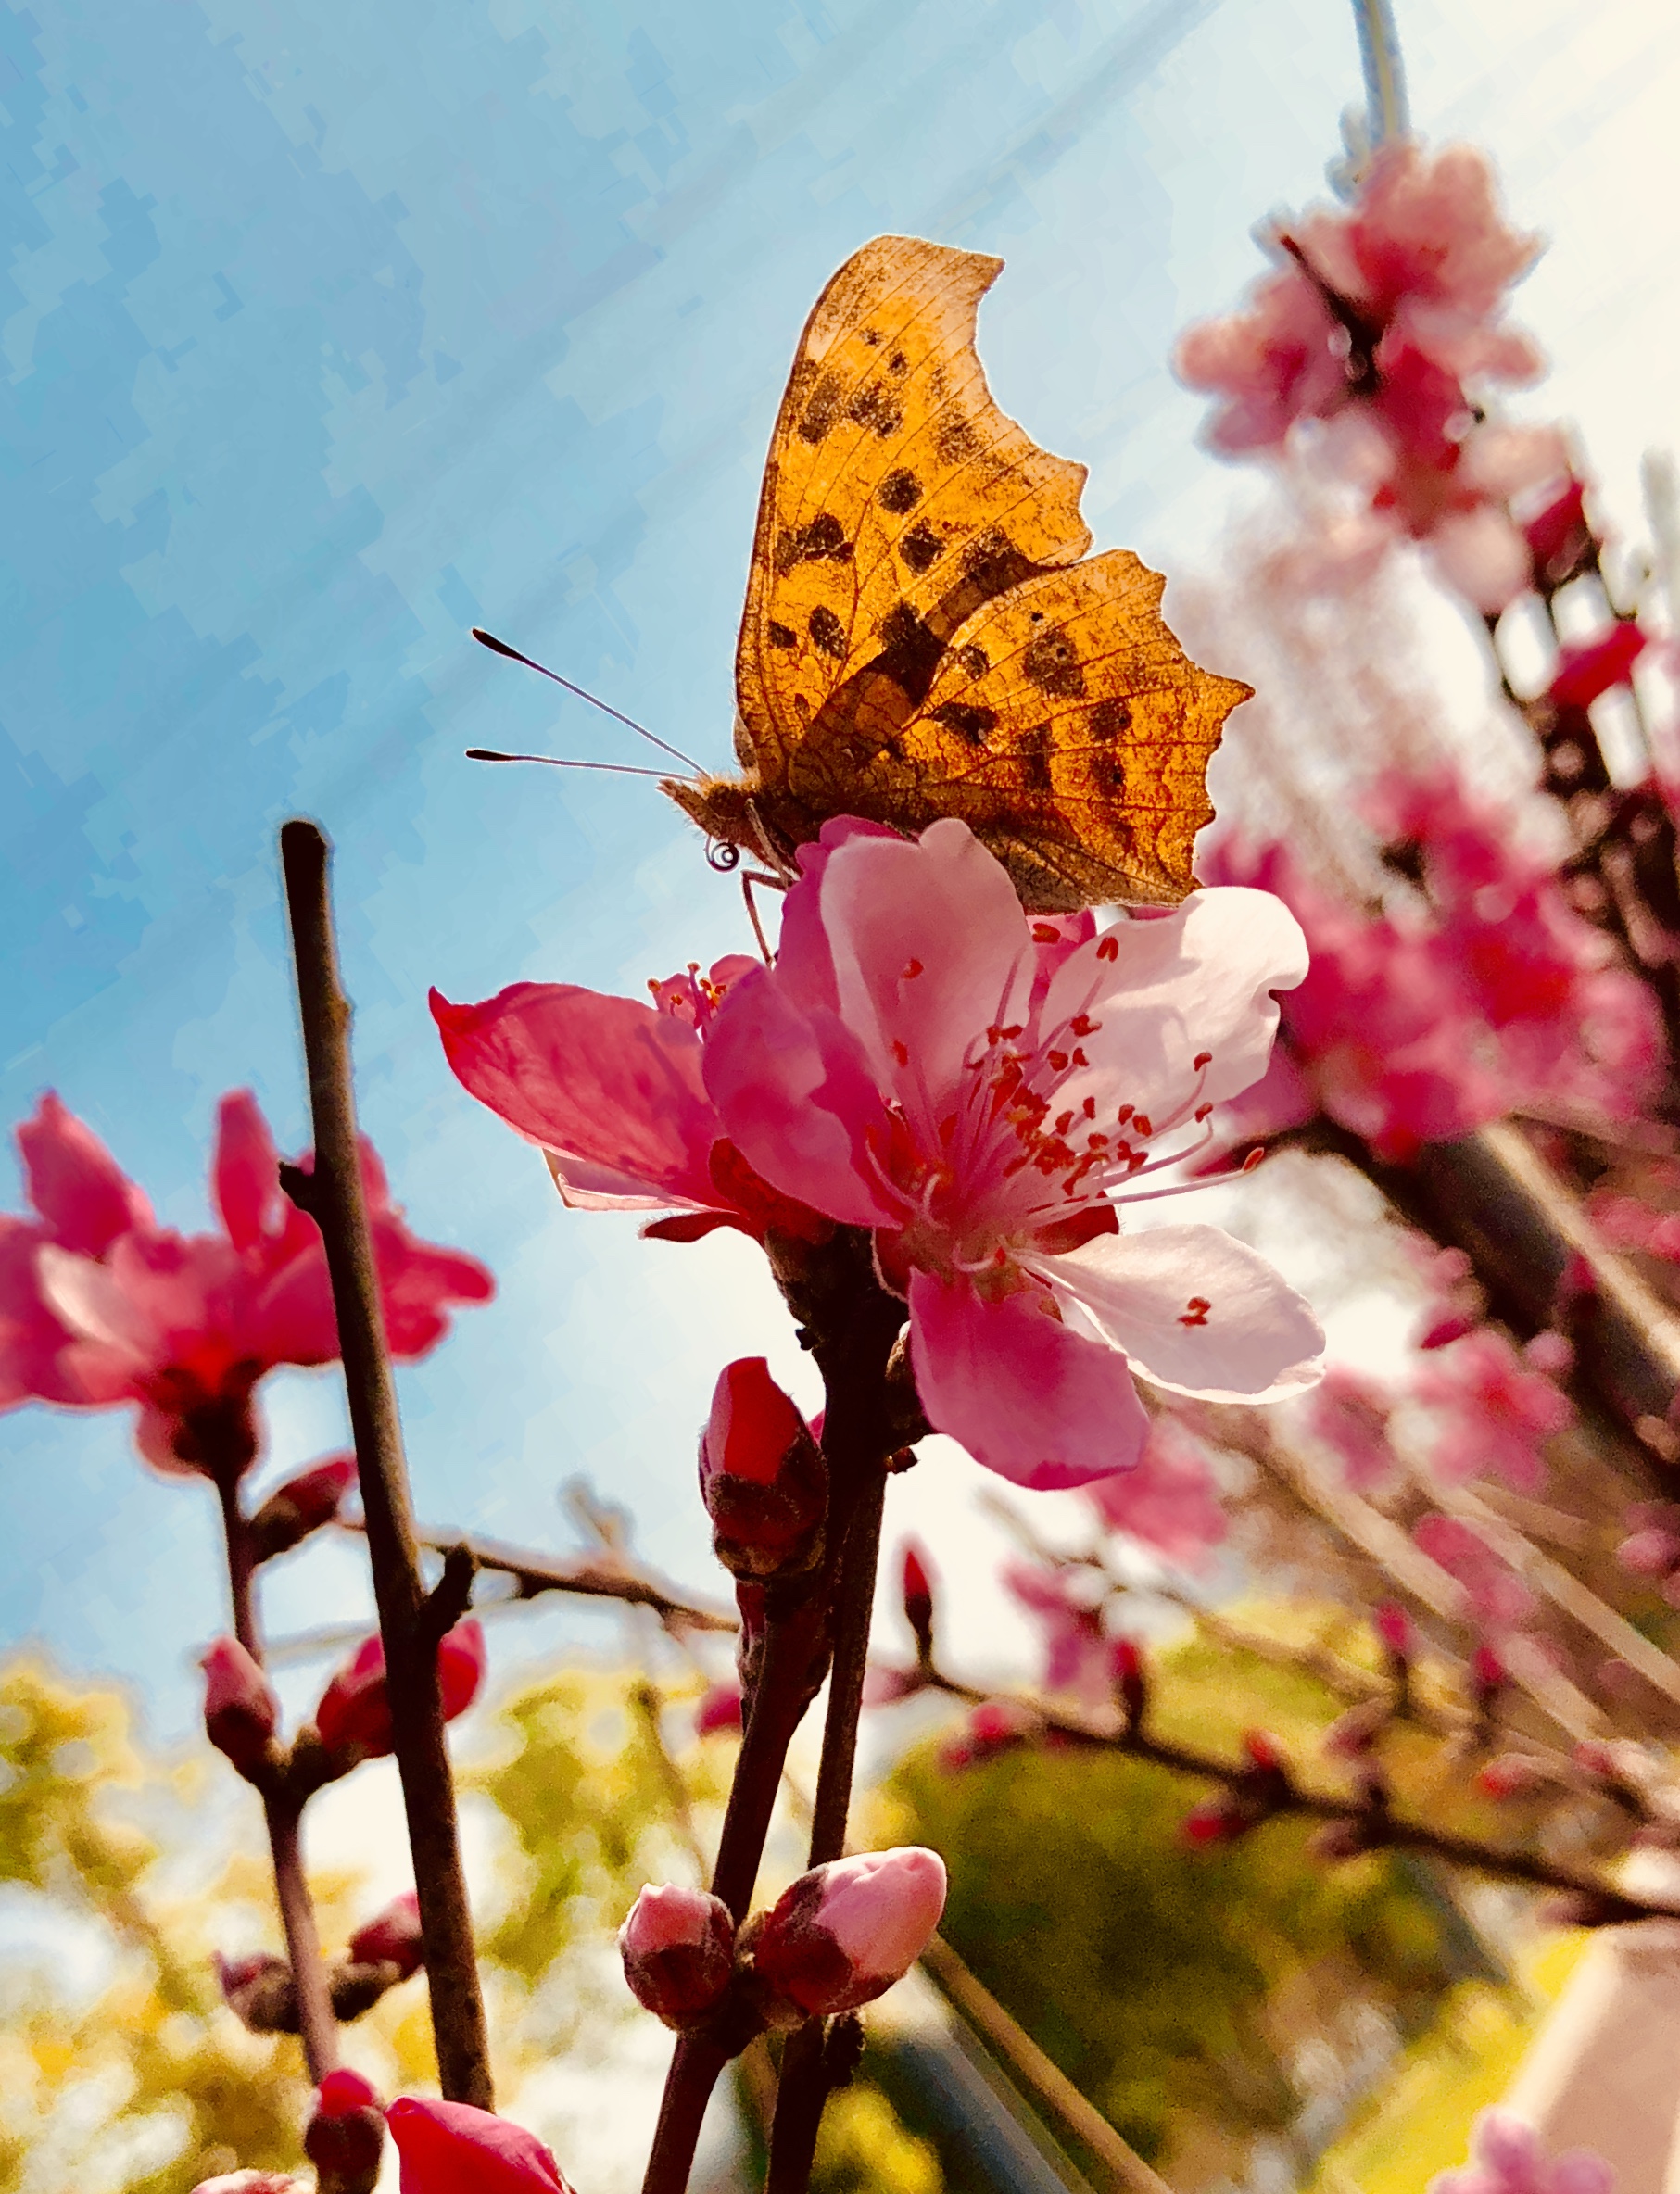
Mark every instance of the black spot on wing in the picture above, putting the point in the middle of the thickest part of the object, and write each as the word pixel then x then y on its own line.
pixel 823 407
pixel 910 652
pixel 968 719
pixel 900 492
pixel 824 537
pixel 826 632
pixel 973 660
pixel 921 546
pixel 1109 719
pixel 955 438
pixel 1033 746
pixel 782 635
pixel 1052 662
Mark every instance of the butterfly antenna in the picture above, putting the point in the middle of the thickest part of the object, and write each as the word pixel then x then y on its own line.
pixel 617 769
pixel 488 640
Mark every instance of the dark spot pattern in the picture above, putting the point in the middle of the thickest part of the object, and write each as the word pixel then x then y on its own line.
pixel 1033 748
pixel 910 652
pixel 898 365
pixel 955 438
pixel 921 546
pixel 1051 662
pixel 826 632
pixel 967 719
pixel 866 406
pixel 900 492
pixel 823 407
pixel 782 635
pixel 824 537
pixel 973 660
pixel 874 337
pixel 1109 719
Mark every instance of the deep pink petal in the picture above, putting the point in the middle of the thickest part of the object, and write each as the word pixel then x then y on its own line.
pixel 74 1182
pixel 32 1339
pixel 796 1100
pixel 450 2148
pixel 603 1080
pixel 1027 1396
pixel 1195 1310
pixel 245 1170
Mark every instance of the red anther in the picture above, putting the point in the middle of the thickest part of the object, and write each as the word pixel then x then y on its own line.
pixel 1450 1326
pixel 1195 1312
pixel 912 969
pixel 1254 1158
pixel 1201 1059
pixel 1141 1122
pixel 1107 948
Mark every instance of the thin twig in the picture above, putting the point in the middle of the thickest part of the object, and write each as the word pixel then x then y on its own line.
pixel 337 1203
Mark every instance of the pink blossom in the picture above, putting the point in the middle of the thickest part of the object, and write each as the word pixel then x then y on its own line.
pixel 1493 1594
pixel 353 1718
pixel 450 2148
pixel 845 1932
pixel 1349 1414
pixel 679 1953
pixel 1066 1603
pixel 99 1306
pixel 1170 1501
pixel 1507 2158
pixel 613 1094
pixel 1493 1414
pixel 913 1064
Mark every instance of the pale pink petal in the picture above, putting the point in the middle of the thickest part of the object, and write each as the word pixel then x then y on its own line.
pixel 75 1184
pixel 796 1100
pixel 1196 1311
pixel 1027 1397
pixel 601 1079
pixel 32 1340
pixel 930 948
pixel 94 1304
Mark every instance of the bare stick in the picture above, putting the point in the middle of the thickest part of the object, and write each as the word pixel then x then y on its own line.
pixel 334 1197
pixel 283 1814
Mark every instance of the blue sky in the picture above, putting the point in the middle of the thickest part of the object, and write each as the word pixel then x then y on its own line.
pixel 330 331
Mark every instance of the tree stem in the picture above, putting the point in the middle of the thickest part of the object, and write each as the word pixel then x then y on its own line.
pixel 337 1203
pixel 317 2024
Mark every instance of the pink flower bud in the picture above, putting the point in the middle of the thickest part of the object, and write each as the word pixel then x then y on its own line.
pixel 391 1936
pixel 1264 1750
pixel 918 1600
pixel 260 1992
pixel 241 1712
pixel 450 2148
pixel 1444 1328
pixel 845 1932
pixel 762 1476
pixel 994 1726
pixel 678 1949
pixel 1651 1553
pixel 1550 1354
pixel 344 2138
pixel 1393 1625
pixel 1486 1675
pixel 1514 1774
pixel 1213 1822
pixel 354 1717
pixel 721 1709
pixel 301 1506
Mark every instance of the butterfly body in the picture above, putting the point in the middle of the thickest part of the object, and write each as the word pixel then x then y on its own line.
pixel 924 634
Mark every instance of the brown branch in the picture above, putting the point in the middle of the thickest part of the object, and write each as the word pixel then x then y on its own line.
pixel 339 1208
pixel 590 1578
pixel 1109 1732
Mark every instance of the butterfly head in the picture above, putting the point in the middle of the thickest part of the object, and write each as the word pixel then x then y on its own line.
pixel 741 812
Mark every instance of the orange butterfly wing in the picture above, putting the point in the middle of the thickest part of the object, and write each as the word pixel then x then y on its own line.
pixel 897 497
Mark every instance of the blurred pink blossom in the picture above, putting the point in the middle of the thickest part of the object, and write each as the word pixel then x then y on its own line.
pixel 1349 1414
pixel 1493 1412
pixel 1507 2158
pixel 1493 1594
pixel 1171 1500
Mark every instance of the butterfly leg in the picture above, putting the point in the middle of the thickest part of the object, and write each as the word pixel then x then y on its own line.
pixel 749 878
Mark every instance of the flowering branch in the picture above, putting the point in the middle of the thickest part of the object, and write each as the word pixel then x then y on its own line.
pixel 334 1196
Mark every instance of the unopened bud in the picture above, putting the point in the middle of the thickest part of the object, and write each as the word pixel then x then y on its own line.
pixel 994 1726
pixel 1446 1327
pixel 762 1476
pixel 241 1712
pixel 391 1936
pixel 1393 1625
pixel 346 2136
pixel 720 1709
pixel 918 1601
pixel 1342 1839
pixel 1216 1821
pixel 678 1950
pixel 1651 1553
pixel 845 1932
pixel 1516 1774
pixel 1354 1735
pixel 450 2148
pixel 260 1991
pixel 353 1720
pixel 301 1506
pixel 1488 1680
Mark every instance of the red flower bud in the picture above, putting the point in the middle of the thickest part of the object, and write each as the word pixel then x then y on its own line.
pixel 845 1932
pixel 918 1600
pixel 1486 1675
pixel 1446 1328
pixel 260 1992
pixel 678 1949
pixel 762 1476
pixel 1264 1750
pixel 301 1506
pixel 1130 1681
pixel 450 2148
pixel 344 2138
pixel 1215 1822
pixel 721 1709
pixel 391 1936
pixel 241 1712
pixel 354 1717
pixel 1515 1775
pixel 1393 1625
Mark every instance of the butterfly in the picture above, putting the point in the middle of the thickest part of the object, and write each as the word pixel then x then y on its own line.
pixel 924 634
